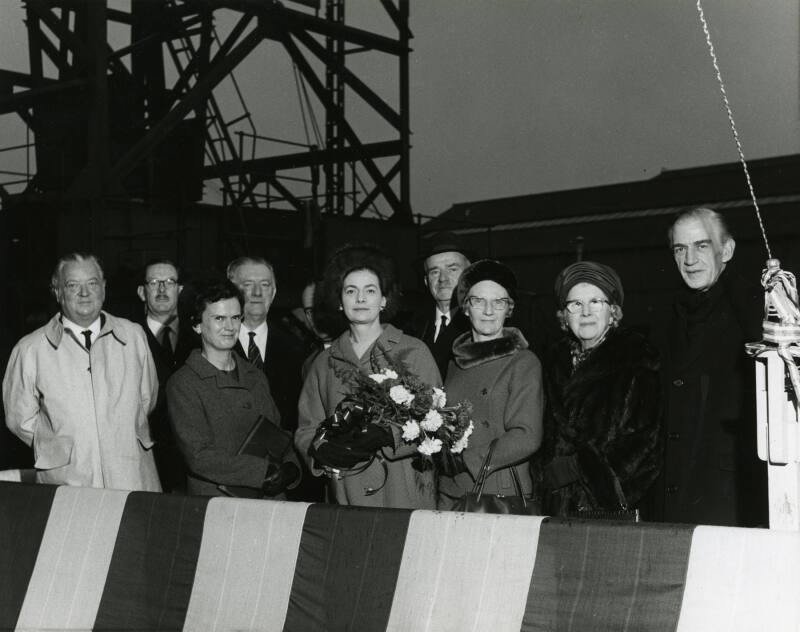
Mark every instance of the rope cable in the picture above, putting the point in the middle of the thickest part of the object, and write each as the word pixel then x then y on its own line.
pixel 732 123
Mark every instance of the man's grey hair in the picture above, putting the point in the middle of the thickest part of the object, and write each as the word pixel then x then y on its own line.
pixel 73 257
pixel 237 263
pixel 706 215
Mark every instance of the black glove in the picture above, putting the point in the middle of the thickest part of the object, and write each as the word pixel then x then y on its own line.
pixel 449 464
pixel 598 479
pixel 346 450
pixel 279 477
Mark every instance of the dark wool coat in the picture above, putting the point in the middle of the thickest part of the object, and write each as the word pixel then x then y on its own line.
pixel 405 487
pixel 607 415
pixel 211 414
pixel 502 379
pixel 442 349
pixel 712 474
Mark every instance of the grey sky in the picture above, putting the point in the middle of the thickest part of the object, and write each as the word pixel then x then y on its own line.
pixel 523 96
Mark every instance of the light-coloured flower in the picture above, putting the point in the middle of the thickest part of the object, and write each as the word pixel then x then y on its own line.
pixel 385 374
pixel 430 446
pixel 410 430
pixel 401 395
pixel 439 398
pixel 463 442
pixel 432 421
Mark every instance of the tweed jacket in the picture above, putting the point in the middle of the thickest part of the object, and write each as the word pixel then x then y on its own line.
pixel 502 379
pixel 211 413
pixel 608 412
pixel 406 486
pixel 85 412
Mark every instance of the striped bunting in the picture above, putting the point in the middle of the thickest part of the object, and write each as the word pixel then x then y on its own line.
pixel 608 576
pixel 347 568
pixel 464 572
pixel 152 568
pixel 70 573
pixel 24 511
pixel 247 560
pixel 742 579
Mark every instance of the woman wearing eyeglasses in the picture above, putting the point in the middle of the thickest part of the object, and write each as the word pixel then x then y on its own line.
pixel 492 367
pixel 602 428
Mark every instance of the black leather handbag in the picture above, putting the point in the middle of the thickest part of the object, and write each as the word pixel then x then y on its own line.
pixel 478 502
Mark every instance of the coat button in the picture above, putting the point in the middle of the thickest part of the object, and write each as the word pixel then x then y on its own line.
pixel 674 436
pixel 672 489
pixel 678 382
pixel 247 405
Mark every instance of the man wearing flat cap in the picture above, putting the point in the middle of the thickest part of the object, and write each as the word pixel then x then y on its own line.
pixel 444 261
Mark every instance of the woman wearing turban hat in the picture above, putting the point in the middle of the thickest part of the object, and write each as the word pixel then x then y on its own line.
pixel 602 427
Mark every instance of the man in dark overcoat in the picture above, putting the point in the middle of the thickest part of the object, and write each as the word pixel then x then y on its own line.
pixel 444 259
pixel 712 474
pixel 263 341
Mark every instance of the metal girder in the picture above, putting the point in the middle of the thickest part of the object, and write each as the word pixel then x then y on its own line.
pixel 347 131
pixel 262 168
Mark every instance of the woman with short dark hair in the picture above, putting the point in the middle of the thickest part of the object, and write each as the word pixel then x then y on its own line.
pixel 360 286
pixel 215 400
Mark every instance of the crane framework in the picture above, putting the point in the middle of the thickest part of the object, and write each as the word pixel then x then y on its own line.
pixel 144 120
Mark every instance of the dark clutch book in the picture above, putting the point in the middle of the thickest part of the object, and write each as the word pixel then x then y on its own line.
pixel 264 439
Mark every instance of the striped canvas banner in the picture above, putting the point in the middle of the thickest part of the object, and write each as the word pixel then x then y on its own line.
pixel 90 559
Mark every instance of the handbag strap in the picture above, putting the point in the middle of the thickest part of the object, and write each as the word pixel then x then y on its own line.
pixel 484 472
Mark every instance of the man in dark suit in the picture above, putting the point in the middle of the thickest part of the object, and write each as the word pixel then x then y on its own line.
pixel 444 261
pixel 262 341
pixel 170 342
pixel 712 474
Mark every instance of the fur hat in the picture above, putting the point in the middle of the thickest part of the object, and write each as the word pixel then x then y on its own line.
pixel 597 274
pixel 486 270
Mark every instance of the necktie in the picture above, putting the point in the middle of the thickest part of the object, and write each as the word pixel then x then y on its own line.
pixel 166 340
pixel 87 336
pixel 442 326
pixel 253 354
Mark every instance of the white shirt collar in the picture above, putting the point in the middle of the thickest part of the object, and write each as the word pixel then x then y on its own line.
pixel 261 337
pixel 155 327
pixel 77 330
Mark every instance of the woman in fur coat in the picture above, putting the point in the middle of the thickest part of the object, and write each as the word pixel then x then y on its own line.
pixel 493 368
pixel 602 428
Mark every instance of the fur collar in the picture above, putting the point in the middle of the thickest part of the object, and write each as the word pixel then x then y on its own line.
pixel 468 354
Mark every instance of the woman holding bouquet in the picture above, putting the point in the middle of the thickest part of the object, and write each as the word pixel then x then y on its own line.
pixel 493 368
pixel 359 283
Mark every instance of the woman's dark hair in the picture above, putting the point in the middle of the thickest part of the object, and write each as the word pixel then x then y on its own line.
pixel 210 292
pixel 328 295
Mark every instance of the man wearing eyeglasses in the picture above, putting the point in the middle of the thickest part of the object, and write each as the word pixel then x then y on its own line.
pixel 170 344
pixel 79 389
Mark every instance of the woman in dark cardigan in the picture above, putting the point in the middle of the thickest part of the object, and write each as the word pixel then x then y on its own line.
pixel 602 427
pixel 493 368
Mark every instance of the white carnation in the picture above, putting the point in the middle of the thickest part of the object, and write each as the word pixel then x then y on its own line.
pixel 401 395
pixel 410 430
pixel 430 446
pixel 439 398
pixel 463 442
pixel 432 421
pixel 385 374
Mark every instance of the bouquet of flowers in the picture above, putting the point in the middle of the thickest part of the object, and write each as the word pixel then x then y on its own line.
pixel 392 397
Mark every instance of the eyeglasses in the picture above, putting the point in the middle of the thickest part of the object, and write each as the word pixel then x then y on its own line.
pixel 74 287
pixel 167 283
pixel 499 304
pixel 595 305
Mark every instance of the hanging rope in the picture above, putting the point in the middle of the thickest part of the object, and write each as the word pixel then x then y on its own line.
pixel 713 54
